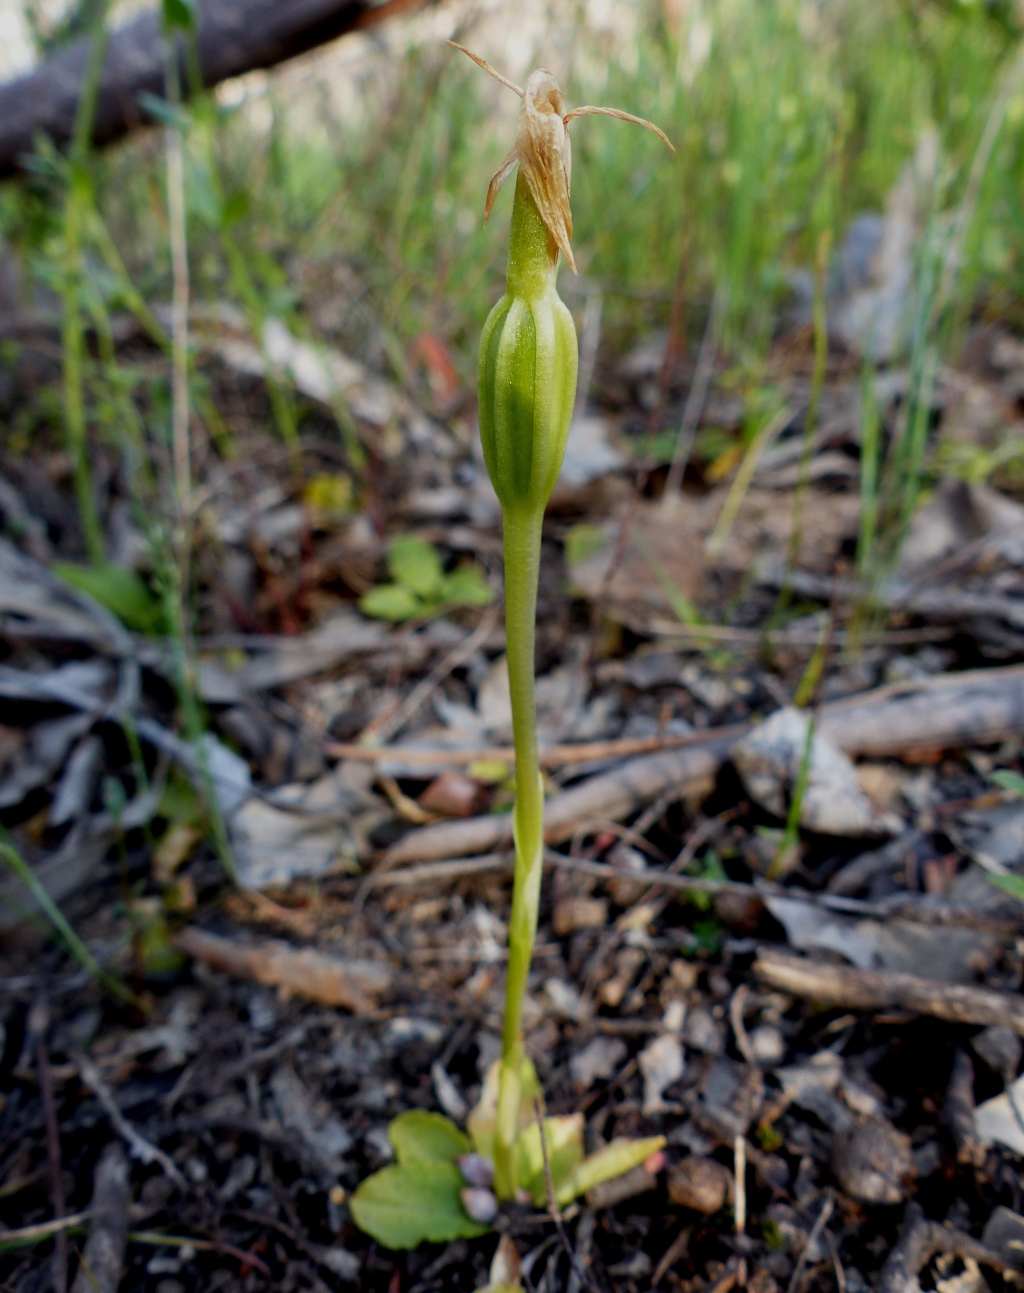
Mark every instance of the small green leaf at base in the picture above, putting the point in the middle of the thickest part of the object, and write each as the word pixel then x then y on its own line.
pixel 390 602
pixel 466 586
pixel 416 565
pixel 615 1159
pixel 413 1203
pixel 419 1136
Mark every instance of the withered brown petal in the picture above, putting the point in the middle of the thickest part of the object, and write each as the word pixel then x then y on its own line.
pixel 509 162
pixel 543 148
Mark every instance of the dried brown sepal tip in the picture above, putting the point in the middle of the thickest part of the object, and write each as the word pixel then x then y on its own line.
pixel 542 149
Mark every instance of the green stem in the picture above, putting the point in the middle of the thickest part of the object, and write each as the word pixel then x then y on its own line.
pixel 522 567
pixel 72 327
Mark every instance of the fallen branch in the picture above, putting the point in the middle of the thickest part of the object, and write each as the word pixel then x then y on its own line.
pixel 833 984
pixel 301 972
pixel 554 756
pixel 951 711
pixel 234 36
pixel 609 797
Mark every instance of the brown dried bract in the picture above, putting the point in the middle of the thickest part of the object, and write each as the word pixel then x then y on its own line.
pixel 543 151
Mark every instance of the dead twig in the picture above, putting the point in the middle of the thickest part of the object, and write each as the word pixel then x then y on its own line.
pixel 303 972
pixel 38 1022
pixel 952 711
pixel 25 1236
pixel 853 989
pixel 677 1248
pixel 796 1283
pixel 554 1212
pixel 958 1111
pixel 103 1255
pixel 138 1146
pixel 555 756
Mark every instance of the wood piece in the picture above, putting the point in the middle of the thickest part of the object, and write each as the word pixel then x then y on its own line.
pixel 953 710
pixel 841 985
pixel 608 797
pixel 919 1242
pixel 103 1255
pixel 949 711
pixel 552 756
pixel 302 972
pixel 234 36
pixel 958 1112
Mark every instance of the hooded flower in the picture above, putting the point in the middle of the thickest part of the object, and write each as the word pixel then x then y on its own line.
pixel 542 150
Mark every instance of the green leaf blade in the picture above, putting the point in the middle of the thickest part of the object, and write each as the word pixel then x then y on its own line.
pixel 418 1136
pixel 615 1159
pixel 466 586
pixel 121 591
pixel 415 565
pixel 413 1203
pixel 390 602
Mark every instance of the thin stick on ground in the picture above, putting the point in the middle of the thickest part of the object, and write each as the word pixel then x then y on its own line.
pixel 697 396
pixel 739 1153
pixel 796 1283
pixel 554 1212
pixel 139 1147
pixel 103 1256
pixel 180 294
pixel 39 1022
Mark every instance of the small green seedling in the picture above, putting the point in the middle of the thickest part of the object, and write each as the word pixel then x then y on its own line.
pixel 441 1186
pixel 420 586
pixel 1012 783
pixel 527 389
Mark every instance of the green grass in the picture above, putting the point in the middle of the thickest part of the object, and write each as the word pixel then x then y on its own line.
pixel 788 118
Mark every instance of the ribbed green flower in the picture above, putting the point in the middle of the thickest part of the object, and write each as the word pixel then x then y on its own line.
pixel 527 369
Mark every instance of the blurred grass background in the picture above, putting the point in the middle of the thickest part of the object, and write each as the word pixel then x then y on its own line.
pixel 345 195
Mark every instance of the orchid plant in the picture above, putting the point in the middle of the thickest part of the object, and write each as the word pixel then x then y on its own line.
pixel 446 1184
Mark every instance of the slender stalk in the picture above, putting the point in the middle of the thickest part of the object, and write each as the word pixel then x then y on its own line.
pixel 73 351
pixel 522 566
pixel 72 327
pixel 179 302
pixel 528 370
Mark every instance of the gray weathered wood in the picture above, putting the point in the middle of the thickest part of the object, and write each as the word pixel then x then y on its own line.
pixel 234 36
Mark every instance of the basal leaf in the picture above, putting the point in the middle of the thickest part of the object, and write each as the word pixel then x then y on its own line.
pixel 564 1137
pixel 615 1159
pixel 482 1119
pixel 419 1136
pixel 390 602
pixel 466 586
pixel 415 565
pixel 121 591
pixel 412 1203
